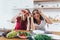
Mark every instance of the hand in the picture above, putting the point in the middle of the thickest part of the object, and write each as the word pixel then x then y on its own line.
pixel 23 17
pixel 41 10
pixel 29 15
pixel 22 11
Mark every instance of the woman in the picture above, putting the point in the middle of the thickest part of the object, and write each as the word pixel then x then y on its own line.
pixel 22 22
pixel 39 20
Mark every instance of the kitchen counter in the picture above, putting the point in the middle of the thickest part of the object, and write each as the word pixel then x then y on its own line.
pixel 54 33
pixel 3 38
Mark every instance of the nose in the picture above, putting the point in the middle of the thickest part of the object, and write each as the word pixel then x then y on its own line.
pixel 36 14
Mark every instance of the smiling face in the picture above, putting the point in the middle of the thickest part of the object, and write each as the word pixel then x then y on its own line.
pixel 26 12
pixel 36 14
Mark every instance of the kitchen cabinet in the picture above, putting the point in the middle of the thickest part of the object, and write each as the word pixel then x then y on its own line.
pixel 39 0
pixel 47 4
pixel 46 0
pixel 48 8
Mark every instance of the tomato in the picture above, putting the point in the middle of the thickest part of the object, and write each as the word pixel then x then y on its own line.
pixel 22 34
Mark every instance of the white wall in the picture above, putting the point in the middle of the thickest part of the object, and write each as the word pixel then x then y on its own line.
pixel 10 8
pixel 52 13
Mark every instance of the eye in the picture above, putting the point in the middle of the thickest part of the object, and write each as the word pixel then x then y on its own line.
pixel 27 13
pixel 37 13
pixel 33 13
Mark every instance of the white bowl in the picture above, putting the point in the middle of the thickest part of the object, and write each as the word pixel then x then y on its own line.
pixel 38 32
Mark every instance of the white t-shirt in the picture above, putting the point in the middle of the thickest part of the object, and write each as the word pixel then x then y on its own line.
pixel 40 26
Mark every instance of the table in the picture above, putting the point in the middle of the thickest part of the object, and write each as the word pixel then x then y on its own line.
pixel 56 33
pixel 3 38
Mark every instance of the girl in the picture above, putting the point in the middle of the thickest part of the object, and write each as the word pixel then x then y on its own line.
pixel 39 20
pixel 22 22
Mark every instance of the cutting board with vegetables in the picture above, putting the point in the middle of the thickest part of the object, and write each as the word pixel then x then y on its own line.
pixel 24 35
pixel 3 38
pixel 12 35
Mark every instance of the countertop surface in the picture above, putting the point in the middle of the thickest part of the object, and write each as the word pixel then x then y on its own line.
pixel 3 38
pixel 55 35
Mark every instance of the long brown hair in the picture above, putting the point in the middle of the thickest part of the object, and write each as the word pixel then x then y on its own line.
pixel 29 12
pixel 24 23
pixel 41 18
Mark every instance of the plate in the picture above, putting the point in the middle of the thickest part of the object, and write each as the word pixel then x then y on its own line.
pixel 38 32
pixel 23 37
pixel 57 37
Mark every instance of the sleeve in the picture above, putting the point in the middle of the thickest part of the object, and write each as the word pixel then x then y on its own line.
pixel 18 19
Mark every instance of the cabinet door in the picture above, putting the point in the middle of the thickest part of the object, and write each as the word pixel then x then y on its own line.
pixel 46 0
pixel 39 0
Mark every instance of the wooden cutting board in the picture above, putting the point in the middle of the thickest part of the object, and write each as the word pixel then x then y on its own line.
pixel 56 33
pixel 3 38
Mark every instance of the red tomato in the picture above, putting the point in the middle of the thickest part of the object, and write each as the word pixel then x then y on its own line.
pixel 22 34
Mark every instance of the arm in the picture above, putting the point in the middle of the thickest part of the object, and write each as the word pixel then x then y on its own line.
pixel 32 24
pixel 13 20
pixel 28 24
pixel 48 20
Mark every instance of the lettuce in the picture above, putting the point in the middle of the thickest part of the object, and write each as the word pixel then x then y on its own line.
pixel 42 37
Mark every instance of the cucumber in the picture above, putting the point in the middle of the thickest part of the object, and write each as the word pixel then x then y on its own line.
pixel 11 34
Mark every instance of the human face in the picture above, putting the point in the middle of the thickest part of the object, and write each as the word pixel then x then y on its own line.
pixel 36 15
pixel 25 12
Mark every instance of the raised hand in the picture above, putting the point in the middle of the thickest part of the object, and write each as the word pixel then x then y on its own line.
pixel 41 10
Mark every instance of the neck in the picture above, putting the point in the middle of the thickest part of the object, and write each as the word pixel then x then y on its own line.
pixel 38 21
pixel 23 18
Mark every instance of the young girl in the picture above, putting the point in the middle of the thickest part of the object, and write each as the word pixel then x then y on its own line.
pixel 39 20
pixel 22 22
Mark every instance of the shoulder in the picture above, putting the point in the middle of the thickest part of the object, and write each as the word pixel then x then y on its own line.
pixel 43 21
pixel 18 18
